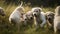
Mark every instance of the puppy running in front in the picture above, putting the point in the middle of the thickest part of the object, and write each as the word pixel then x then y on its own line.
pixel 39 17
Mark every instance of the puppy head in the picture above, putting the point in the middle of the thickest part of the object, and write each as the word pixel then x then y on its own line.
pixel 36 11
pixel 25 19
pixel 50 15
pixel 28 15
pixel 2 12
pixel 57 10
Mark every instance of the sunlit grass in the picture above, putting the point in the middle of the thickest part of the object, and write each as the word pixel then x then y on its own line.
pixel 48 9
pixel 8 29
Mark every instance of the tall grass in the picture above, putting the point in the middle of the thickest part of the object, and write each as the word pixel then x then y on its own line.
pixel 7 28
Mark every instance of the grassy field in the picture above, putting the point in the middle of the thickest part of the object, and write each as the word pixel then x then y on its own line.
pixel 6 28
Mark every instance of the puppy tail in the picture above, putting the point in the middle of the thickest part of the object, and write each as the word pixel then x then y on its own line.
pixel 21 4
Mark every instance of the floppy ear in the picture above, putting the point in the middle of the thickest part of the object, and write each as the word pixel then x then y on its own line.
pixel 23 13
pixel 26 15
pixel 39 10
pixel 53 15
pixel 46 15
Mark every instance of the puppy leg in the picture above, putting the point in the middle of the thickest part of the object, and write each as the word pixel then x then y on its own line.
pixel 55 30
pixel 35 23
pixel 49 25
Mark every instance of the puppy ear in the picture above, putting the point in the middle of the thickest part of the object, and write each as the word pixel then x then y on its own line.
pixel 32 15
pixel 26 15
pixel 46 15
pixel 40 10
pixel 53 13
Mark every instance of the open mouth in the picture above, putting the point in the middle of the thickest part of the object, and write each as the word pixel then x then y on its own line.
pixel 49 18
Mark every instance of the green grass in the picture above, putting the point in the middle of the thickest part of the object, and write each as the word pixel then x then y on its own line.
pixel 7 28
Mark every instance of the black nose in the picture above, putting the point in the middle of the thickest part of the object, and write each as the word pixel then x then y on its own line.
pixel 31 17
pixel 25 19
pixel 34 14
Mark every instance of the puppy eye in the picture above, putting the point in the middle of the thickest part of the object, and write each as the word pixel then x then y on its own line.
pixel 36 11
pixel 39 10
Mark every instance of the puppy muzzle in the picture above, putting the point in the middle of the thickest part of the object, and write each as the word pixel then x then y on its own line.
pixel 35 15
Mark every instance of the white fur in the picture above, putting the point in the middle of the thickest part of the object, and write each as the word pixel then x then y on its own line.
pixel 43 18
pixel 16 14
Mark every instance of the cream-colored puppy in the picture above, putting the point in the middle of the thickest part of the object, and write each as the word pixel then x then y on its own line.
pixel 57 19
pixel 29 18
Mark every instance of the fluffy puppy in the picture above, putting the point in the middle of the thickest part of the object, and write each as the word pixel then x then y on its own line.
pixel 17 15
pixel 50 18
pixel 2 11
pixel 57 19
pixel 28 18
pixel 39 16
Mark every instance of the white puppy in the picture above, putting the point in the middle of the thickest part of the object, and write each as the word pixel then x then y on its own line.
pixel 39 16
pixel 16 16
pixel 57 19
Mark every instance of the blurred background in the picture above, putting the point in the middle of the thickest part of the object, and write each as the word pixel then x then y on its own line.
pixel 10 5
